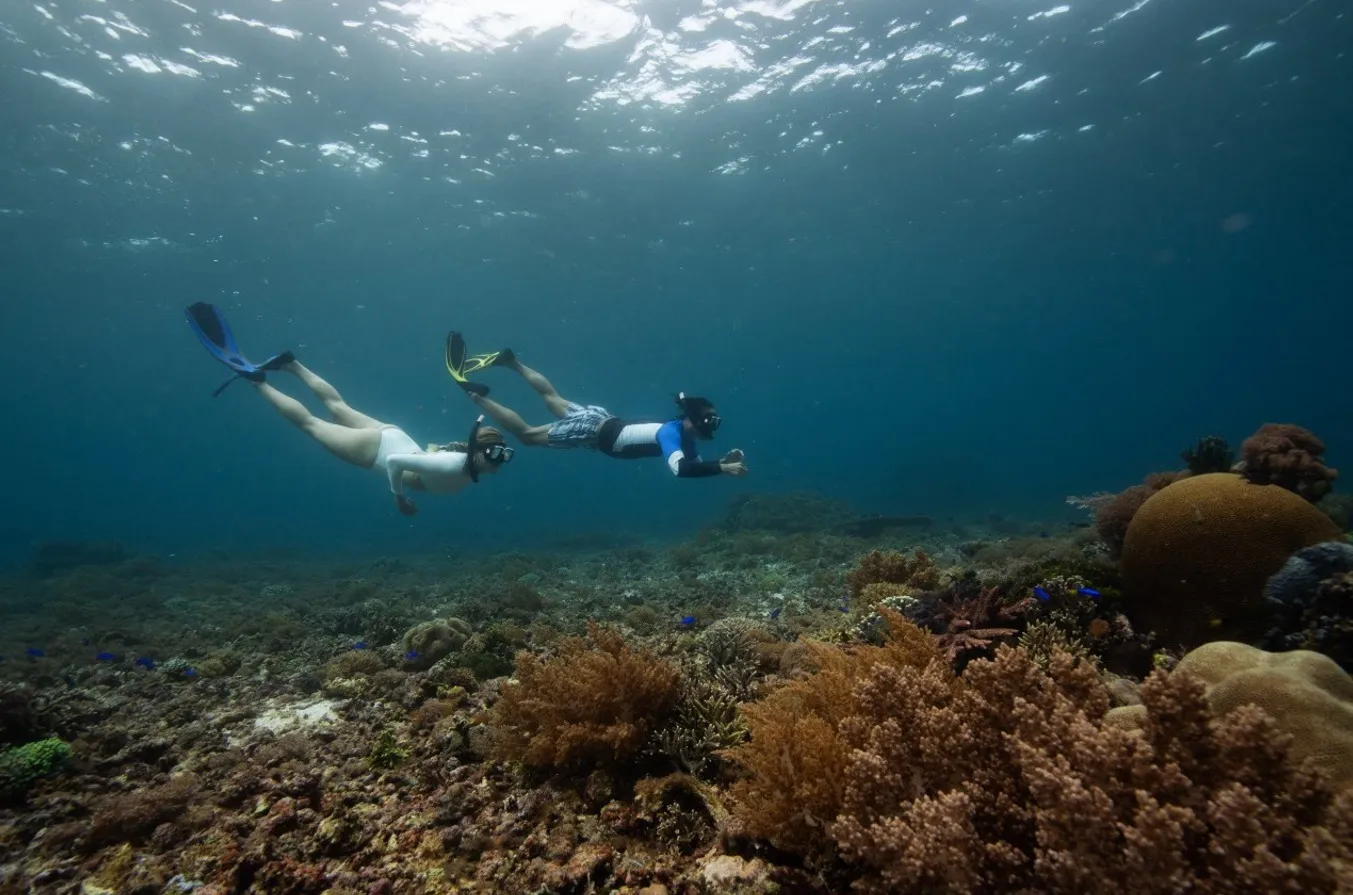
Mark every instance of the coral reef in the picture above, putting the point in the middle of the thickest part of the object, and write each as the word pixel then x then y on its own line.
pixel 1114 515
pixel 971 622
pixel 1210 454
pixel 1198 553
pixel 19 720
pixel 796 757
pixel 596 701
pixel 1306 694
pixel 1287 456
pixel 22 766
pixel 1312 599
pixel 427 643
pixel 704 716
pixel 917 571
pixel 1012 783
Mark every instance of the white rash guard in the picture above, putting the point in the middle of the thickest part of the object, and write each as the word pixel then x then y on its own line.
pixel 442 472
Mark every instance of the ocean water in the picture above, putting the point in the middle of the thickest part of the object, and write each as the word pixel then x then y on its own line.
pixel 955 259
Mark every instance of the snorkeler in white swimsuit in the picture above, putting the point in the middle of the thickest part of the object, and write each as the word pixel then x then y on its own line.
pixel 352 436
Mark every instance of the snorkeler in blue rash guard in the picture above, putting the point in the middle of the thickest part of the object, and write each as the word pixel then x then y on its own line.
pixel 595 427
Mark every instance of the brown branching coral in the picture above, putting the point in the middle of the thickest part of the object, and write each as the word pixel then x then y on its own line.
pixel 917 571
pixel 1288 456
pixel 595 702
pixel 796 758
pixel 1011 782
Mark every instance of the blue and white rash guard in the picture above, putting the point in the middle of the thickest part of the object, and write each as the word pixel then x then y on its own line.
pixel 633 440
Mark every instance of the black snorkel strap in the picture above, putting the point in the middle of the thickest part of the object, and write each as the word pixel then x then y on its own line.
pixel 702 424
pixel 469 450
pixel 222 387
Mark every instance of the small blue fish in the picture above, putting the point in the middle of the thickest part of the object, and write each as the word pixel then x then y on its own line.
pixel 34 653
pixel 84 641
pixel 687 621
pixel 361 644
pixel 190 672
pixel 775 613
pixel 411 655
pixel 106 657
pixel 146 662
pixel 1089 592
pixel 843 607
pixel 1041 593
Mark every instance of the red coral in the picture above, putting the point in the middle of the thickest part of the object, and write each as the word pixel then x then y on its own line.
pixel 1288 456
pixel 972 621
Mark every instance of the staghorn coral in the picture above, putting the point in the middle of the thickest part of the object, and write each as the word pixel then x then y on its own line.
pixel 1198 554
pixel 707 721
pixel 1043 639
pixel 729 652
pixel 1287 456
pixel 795 758
pixel 917 571
pixel 594 703
pixel 971 619
pixel 1012 782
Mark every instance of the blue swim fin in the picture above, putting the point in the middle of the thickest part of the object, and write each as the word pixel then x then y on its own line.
pixel 210 326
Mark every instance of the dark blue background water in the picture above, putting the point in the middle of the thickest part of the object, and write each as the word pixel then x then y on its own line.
pixel 900 289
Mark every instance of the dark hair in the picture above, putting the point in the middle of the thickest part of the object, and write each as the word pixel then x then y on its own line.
pixel 485 436
pixel 694 408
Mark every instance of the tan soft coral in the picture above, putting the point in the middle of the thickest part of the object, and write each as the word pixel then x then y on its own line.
pixel 917 572
pixel 594 703
pixel 1306 693
pixel 796 756
pixel 1014 784
pixel 1009 779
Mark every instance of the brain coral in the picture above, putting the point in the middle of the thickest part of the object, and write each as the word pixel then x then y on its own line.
pixel 1198 553
pixel 1307 693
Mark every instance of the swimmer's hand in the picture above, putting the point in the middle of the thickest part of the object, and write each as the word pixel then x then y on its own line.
pixel 732 463
pixel 406 506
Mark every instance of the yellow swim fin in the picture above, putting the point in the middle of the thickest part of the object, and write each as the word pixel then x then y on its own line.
pixel 457 363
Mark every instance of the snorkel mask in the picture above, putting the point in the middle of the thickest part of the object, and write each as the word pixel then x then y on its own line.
pixel 495 453
pixel 701 413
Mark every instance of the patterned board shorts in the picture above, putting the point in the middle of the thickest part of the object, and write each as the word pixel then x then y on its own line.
pixel 579 426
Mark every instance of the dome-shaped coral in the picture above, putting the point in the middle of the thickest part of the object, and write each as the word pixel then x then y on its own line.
pixel 1198 553
pixel 429 642
pixel 1309 696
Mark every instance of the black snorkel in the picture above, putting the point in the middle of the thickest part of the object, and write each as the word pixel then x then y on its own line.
pixel 470 469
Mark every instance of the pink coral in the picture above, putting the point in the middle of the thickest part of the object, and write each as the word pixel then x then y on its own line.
pixel 1288 456
pixel 1015 784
